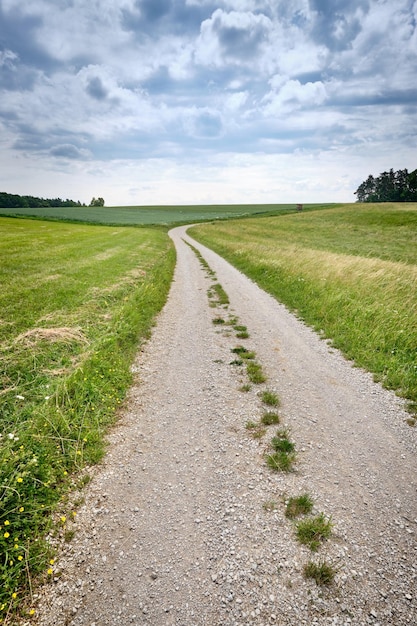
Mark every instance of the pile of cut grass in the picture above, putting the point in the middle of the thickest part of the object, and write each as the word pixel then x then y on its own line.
pixel 75 303
pixel 349 272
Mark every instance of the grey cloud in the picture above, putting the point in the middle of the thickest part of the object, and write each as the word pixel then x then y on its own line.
pixel 96 89
pixel 32 138
pixel 207 125
pixel 310 77
pixel 159 82
pixel 174 17
pixel 18 34
pixel 154 9
pixel 240 42
pixel 336 24
pixel 240 34
pixel 68 151
pixel 386 97
pixel 14 76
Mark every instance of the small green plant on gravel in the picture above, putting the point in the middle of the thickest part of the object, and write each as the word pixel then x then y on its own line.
pixel 255 373
pixel 282 444
pixel 236 362
pixel 245 388
pixel 281 461
pixel 269 418
pixel 282 433
pixel 298 505
pixel 256 430
pixel 244 353
pixel 217 295
pixel 322 573
pixel 241 332
pixel 202 260
pixel 69 535
pixel 270 398
pixel 218 320
pixel 270 505
pixel 312 531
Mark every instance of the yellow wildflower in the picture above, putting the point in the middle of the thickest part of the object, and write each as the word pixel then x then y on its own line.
pixel 7 523
pixel 20 557
pixel 20 479
pixel 6 535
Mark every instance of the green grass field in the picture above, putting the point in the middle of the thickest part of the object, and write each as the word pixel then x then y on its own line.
pixel 349 272
pixel 75 301
pixel 152 215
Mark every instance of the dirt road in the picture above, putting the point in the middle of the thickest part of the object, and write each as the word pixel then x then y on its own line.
pixel 184 523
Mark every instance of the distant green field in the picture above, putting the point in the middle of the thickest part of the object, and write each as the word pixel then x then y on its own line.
pixel 153 215
pixel 349 272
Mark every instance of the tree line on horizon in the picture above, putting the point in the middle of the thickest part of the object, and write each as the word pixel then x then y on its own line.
pixel 14 201
pixel 389 186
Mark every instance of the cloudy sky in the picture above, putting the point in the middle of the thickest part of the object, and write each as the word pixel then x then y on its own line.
pixel 203 101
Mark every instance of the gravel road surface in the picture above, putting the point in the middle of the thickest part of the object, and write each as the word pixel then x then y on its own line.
pixel 184 524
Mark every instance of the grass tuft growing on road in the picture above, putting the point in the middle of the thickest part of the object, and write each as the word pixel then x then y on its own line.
pixel 255 373
pixel 312 531
pixel 322 573
pixel 298 505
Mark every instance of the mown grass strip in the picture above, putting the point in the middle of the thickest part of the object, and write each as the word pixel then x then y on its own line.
pixel 75 302
pixel 349 272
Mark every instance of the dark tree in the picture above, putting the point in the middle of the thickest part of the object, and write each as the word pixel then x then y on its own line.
pixel 13 201
pixel 389 187
pixel 97 202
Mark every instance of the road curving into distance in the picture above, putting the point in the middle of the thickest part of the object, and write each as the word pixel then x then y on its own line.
pixel 184 524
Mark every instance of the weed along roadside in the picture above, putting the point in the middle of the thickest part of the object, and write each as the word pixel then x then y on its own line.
pixel 75 305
